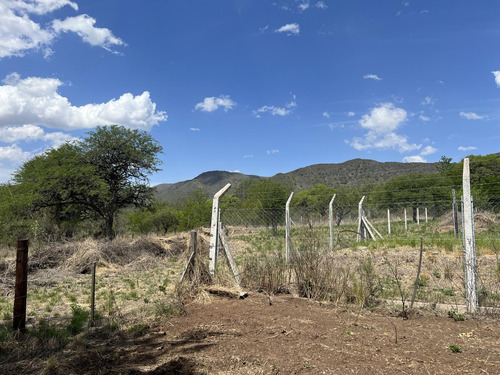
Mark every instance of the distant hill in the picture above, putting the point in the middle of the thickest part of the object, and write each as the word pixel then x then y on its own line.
pixel 356 173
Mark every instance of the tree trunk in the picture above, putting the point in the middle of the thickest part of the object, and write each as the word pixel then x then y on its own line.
pixel 109 233
pixel 414 214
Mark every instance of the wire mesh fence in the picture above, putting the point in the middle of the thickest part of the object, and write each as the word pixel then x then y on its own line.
pixel 387 266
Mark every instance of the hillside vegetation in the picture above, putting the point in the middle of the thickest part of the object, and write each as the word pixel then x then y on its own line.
pixel 352 173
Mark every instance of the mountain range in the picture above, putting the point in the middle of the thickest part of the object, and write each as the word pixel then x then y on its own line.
pixel 355 173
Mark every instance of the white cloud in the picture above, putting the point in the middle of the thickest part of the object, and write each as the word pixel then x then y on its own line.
pixel 19 33
pixel 382 122
pixel 321 5
pixel 27 133
pixel 14 154
pixel 303 6
pixel 326 114
pixel 372 76
pixel 270 152
pixel 424 118
pixel 414 159
pixel 83 25
pixel 351 114
pixel 467 148
pixel 247 156
pixel 213 103
pixel 194 129
pixel 497 77
pixel 428 150
pixel 428 101
pixel 35 100
pixel 289 29
pixel 471 116
pixel 277 111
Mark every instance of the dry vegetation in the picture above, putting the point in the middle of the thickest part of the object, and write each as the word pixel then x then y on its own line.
pixel 147 322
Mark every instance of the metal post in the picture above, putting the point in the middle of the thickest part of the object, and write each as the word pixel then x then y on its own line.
pixel 214 230
pixel 288 239
pixel 418 216
pixel 330 209
pixel 21 287
pixel 425 215
pixel 406 222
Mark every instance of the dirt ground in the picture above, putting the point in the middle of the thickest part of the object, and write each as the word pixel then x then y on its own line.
pixel 290 336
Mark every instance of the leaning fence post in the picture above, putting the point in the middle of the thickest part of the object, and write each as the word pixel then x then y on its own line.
pixel 287 227
pixel 21 287
pixel 360 224
pixel 330 209
pixel 214 229
pixel 469 242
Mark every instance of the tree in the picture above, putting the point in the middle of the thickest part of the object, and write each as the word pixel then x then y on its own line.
pixel 268 198
pixel 314 202
pixel 98 175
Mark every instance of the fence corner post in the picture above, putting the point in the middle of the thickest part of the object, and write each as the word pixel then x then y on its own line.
pixel 21 287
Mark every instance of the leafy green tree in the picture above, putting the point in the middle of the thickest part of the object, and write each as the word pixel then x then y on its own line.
pixel 195 211
pixel 314 202
pixel 268 198
pixel 95 176
pixel 158 217
pixel 484 179
pixel 413 190
pixel 346 201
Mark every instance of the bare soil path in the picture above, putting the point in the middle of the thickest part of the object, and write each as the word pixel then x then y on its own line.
pixel 293 336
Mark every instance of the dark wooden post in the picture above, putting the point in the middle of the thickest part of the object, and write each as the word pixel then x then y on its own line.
pixel 21 288
pixel 92 297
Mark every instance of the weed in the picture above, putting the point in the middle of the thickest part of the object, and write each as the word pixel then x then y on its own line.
pixel 436 273
pixel 139 329
pixel 456 316
pixel 447 292
pixel 423 280
pixel 455 348
pixel 79 319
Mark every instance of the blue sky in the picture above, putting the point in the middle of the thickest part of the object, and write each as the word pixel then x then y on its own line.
pixel 259 87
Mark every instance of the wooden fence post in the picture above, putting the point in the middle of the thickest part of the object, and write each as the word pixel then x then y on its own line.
pixel 21 287
pixel 214 230
pixel 330 211
pixel 92 297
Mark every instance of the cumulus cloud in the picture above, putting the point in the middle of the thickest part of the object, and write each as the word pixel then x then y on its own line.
pixel 382 123
pixel 424 118
pixel 326 114
pixel 247 156
pixel 84 26
pixel 36 101
pixel 270 152
pixel 277 111
pixel 194 129
pixel 372 76
pixel 467 148
pixel 213 103
pixel 27 133
pixel 496 74
pixel 19 33
pixel 289 29
pixel 321 5
pixel 428 150
pixel 471 116
pixel 14 154
pixel 351 114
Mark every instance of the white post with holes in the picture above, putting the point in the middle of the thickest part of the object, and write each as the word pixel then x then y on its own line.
pixel 214 230
pixel 330 210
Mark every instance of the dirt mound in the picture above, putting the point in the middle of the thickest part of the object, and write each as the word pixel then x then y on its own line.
pixel 483 220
